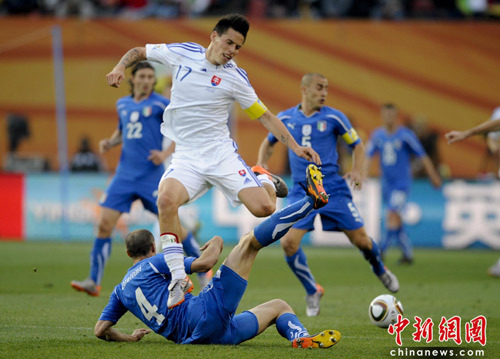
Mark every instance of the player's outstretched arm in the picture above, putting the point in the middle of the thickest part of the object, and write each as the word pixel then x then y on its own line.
pixel 104 330
pixel 209 256
pixel 133 56
pixel 487 126
pixel 456 136
pixel 274 125
pixel 355 176
pixel 266 150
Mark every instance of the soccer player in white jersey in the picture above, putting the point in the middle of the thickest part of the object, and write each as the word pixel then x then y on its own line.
pixel 492 127
pixel 206 82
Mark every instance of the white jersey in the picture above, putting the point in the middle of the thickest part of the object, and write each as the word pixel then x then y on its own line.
pixel 202 94
pixel 495 135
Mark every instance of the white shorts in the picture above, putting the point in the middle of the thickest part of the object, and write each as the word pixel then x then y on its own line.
pixel 217 165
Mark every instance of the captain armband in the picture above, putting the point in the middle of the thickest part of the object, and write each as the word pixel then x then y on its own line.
pixel 256 110
pixel 350 136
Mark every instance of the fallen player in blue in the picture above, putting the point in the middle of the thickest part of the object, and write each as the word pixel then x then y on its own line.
pixel 209 318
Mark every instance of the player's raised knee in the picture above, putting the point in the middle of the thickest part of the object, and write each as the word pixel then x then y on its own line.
pixel 289 247
pixel 263 209
pixel 281 306
pixel 167 202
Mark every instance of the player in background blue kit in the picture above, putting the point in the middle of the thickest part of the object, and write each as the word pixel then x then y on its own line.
pixel 315 125
pixel 209 318
pixel 396 144
pixel 139 170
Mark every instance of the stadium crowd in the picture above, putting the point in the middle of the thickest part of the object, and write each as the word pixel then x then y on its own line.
pixel 168 9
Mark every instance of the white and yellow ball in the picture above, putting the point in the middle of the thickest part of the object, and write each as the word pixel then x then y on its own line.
pixel 384 309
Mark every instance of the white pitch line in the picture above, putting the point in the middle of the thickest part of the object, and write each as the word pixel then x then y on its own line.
pixel 129 329
pixel 49 327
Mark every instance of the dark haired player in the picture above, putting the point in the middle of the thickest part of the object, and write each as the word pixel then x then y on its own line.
pixel 205 84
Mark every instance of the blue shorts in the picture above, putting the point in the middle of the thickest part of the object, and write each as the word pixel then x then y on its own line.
pixel 395 199
pixel 121 193
pixel 211 314
pixel 340 212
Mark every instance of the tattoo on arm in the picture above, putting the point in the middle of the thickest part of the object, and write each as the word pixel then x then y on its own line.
pixel 284 139
pixel 131 58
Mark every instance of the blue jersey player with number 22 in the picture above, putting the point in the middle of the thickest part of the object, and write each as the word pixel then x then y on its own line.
pixel 138 173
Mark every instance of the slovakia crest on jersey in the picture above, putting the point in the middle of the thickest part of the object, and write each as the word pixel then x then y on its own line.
pixel 147 111
pixel 321 126
pixel 216 80
pixel 242 172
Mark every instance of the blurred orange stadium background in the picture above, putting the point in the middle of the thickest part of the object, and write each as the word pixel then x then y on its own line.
pixel 446 71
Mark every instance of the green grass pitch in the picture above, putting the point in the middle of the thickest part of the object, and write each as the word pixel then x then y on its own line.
pixel 41 316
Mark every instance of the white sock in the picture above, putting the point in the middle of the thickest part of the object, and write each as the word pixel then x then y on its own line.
pixel 265 179
pixel 174 256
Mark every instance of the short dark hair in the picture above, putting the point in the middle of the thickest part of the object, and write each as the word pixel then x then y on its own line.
pixel 139 242
pixel 389 106
pixel 307 78
pixel 142 65
pixel 236 22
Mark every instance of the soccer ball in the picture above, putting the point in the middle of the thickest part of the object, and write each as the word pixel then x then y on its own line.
pixel 383 310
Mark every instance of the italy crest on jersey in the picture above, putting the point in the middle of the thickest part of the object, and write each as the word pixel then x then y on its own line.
pixel 147 111
pixel 216 80
pixel 321 126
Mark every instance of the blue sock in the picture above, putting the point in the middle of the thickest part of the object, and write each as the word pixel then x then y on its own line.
pixel 404 242
pixel 98 258
pixel 276 226
pixel 190 246
pixel 390 236
pixel 373 256
pixel 298 264
pixel 290 327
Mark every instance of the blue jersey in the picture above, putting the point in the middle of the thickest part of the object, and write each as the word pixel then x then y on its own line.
pixel 139 123
pixel 395 151
pixel 208 318
pixel 144 292
pixel 319 131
